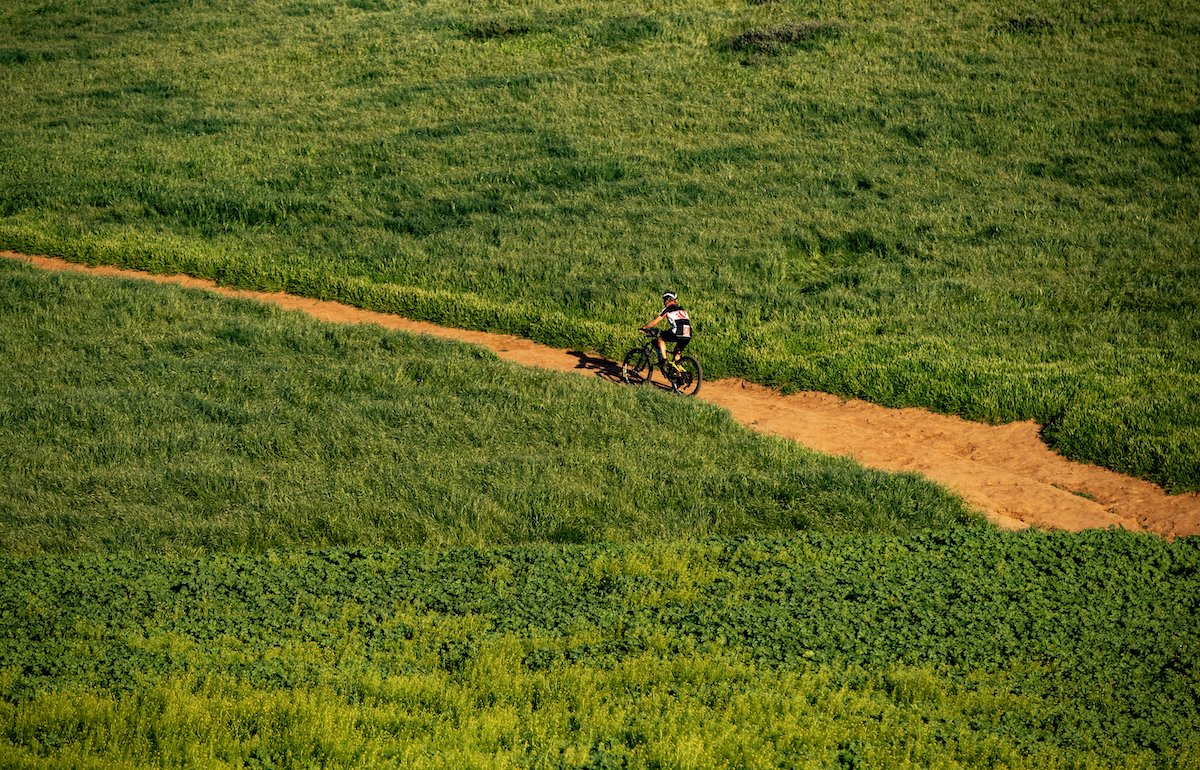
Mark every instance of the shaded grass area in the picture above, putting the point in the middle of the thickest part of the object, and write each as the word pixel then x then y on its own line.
pixel 153 418
pixel 967 648
pixel 980 209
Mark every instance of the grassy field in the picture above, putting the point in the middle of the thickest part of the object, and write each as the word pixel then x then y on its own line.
pixel 970 648
pixel 154 419
pixel 234 537
pixel 981 208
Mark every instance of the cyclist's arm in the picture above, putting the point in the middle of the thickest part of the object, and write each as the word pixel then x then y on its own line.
pixel 653 321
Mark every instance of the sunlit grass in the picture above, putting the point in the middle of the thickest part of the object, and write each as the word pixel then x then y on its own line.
pixel 152 418
pixel 983 210
pixel 972 648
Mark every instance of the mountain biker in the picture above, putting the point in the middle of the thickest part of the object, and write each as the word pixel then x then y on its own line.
pixel 681 327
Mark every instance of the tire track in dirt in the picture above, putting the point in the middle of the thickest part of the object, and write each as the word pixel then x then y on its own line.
pixel 1005 471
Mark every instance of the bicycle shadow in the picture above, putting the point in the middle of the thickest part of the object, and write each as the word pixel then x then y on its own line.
pixel 609 370
pixel 605 369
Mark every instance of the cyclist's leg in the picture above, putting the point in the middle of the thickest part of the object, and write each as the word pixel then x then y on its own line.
pixel 663 339
pixel 680 344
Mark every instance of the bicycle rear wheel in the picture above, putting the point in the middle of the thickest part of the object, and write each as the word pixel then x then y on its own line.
pixel 637 367
pixel 687 380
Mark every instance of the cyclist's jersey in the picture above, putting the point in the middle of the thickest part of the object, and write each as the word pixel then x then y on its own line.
pixel 681 325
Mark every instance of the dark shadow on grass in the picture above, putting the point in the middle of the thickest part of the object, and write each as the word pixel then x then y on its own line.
pixel 771 41
pixel 608 370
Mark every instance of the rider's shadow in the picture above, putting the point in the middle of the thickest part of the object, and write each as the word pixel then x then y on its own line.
pixel 609 370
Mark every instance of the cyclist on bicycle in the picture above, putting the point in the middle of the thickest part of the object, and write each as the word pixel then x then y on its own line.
pixel 681 327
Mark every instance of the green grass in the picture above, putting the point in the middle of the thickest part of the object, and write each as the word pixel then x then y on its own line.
pixel 974 648
pixel 231 536
pixel 983 209
pixel 152 418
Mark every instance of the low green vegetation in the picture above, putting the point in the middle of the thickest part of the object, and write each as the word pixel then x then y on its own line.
pixel 981 208
pixel 152 418
pixel 231 536
pixel 972 648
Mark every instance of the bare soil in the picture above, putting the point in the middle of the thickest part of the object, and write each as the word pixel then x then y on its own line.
pixel 1004 471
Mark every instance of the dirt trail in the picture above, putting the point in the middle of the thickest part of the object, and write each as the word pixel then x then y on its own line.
pixel 1005 471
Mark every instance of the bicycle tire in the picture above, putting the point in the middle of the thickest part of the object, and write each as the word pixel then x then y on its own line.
pixel 687 383
pixel 638 367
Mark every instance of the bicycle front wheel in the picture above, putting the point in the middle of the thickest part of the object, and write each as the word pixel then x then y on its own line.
pixel 687 381
pixel 638 367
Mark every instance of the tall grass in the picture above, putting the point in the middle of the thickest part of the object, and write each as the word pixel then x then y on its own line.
pixel 152 418
pixel 978 208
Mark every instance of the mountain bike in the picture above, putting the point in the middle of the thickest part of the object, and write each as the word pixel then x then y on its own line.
pixel 682 377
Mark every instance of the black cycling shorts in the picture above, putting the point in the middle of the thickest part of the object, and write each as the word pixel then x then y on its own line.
pixel 680 342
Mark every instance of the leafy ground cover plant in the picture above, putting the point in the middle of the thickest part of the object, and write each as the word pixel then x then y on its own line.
pixel 965 648
pixel 983 210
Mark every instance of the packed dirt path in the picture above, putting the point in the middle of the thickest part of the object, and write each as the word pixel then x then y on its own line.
pixel 1004 471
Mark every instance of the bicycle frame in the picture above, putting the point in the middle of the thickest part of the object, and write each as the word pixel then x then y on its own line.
pixel 683 377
